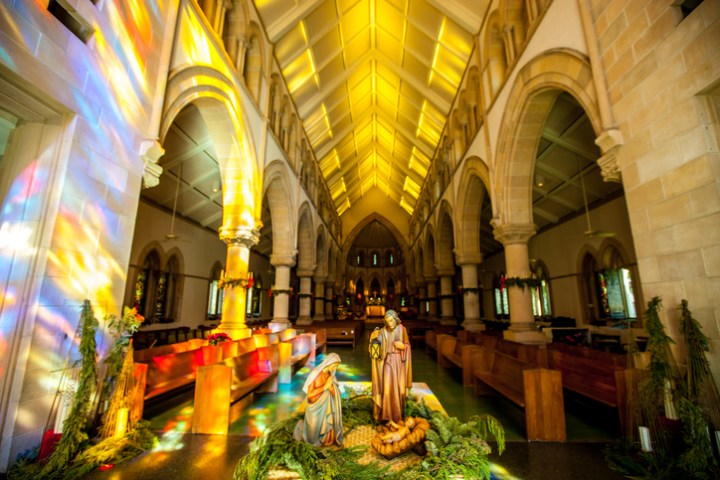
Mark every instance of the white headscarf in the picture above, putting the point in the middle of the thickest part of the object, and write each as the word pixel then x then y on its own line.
pixel 330 359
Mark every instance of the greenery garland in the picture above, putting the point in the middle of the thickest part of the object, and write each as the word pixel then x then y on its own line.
pixel 231 282
pixel 281 292
pixel 469 290
pixel 305 295
pixel 522 282
pixel 74 434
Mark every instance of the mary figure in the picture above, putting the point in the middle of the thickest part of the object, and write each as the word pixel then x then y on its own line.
pixel 322 425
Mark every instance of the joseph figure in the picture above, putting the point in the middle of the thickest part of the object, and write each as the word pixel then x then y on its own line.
pixel 391 369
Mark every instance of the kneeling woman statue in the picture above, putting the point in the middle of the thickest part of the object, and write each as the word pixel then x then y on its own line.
pixel 322 425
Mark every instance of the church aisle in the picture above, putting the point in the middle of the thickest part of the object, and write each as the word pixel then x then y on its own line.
pixel 181 455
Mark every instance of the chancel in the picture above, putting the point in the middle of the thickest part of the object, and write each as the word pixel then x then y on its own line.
pixel 203 200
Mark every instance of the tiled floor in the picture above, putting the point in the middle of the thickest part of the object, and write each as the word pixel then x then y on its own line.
pixel 181 455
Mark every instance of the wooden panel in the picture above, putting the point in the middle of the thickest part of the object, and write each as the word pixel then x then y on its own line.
pixel 211 412
pixel 544 406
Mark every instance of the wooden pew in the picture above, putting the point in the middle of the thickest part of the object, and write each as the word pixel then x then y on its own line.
pixel 337 333
pixel 601 376
pixel 224 389
pixel 172 372
pixel 534 354
pixel 538 391
pixel 432 334
pixel 457 352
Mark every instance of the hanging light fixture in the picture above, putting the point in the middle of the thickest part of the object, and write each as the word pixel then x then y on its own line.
pixel 539 180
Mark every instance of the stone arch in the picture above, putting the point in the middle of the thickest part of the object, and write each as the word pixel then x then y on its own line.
pixel 305 241
pixel 429 263
pixel 234 31
pixel 350 239
pixel 537 86
pixel 277 192
pixel 495 56
pixel 254 64
pixel 445 237
pixel 515 22
pixel 219 104
pixel 474 186
pixel 321 266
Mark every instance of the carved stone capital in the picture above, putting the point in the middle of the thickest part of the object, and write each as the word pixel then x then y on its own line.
pixel 305 272
pixel 610 142
pixel 246 236
pixel 512 233
pixel 609 168
pixel 282 260
pixel 445 272
pixel 150 152
pixel 468 258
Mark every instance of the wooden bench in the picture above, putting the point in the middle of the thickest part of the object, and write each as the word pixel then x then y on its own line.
pixel 534 354
pixel 346 333
pixel 432 334
pixel 601 376
pixel 457 352
pixel 170 373
pixel 226 388
pixel 538 391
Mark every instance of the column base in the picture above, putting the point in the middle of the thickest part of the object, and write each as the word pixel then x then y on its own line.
pixel 236 332
pixel 279 325
pixel 473 325
pixel 525 336
pixel 447 321
pixel 318 319
pixel 304 321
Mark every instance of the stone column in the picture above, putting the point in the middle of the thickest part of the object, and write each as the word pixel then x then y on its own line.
pixel 514 237
pixel 319 299
pixel 471 291
pixel 281 291
pixel 421 295
pixel 329 305
pixel 305 296
pixel 432 298
pixel 447 316
pixel 238 241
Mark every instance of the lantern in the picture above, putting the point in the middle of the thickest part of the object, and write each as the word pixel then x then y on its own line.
pixel 375 348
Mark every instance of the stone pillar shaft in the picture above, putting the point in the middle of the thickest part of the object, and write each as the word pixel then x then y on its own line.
pixel 446 301
pixel 281 291
pixel 471 297
pixel 319 300
pixel 305 297
pixel 237 263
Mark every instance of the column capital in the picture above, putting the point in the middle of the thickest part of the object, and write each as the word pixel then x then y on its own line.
pixel 445 272
pixel 320 279
pixel 246 236
pixel 468 258
pixel 282 260
pixel 305 272
pixel 511 233
pixel 150 152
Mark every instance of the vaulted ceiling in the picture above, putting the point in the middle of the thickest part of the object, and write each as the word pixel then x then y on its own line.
pixel 373 82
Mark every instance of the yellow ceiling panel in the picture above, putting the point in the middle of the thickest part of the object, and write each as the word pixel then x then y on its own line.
pixel 291 45
pixel 400 5
pixel 344 6
pixel 456 39
pixel 416 67
pixel 388 46
pixel 449 65
pixel 389 75
pixel 388 87
pixel 331 70
pixel 320 19
pixel 362 73
pixel 328 46
pixel 361 89
pixel 421 44
pixel 425 16
pixel 361 107
pixel 367 183
pixel 356 47
pixel 442 86
pixel 355 20
pixel 390 20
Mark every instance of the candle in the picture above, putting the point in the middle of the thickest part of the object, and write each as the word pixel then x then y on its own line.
pixel 121 422
pixel 645 443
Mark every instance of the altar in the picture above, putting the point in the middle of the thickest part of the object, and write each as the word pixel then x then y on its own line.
pixel 375 311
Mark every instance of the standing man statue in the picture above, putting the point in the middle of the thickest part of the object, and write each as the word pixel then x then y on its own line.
pixel 391 369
